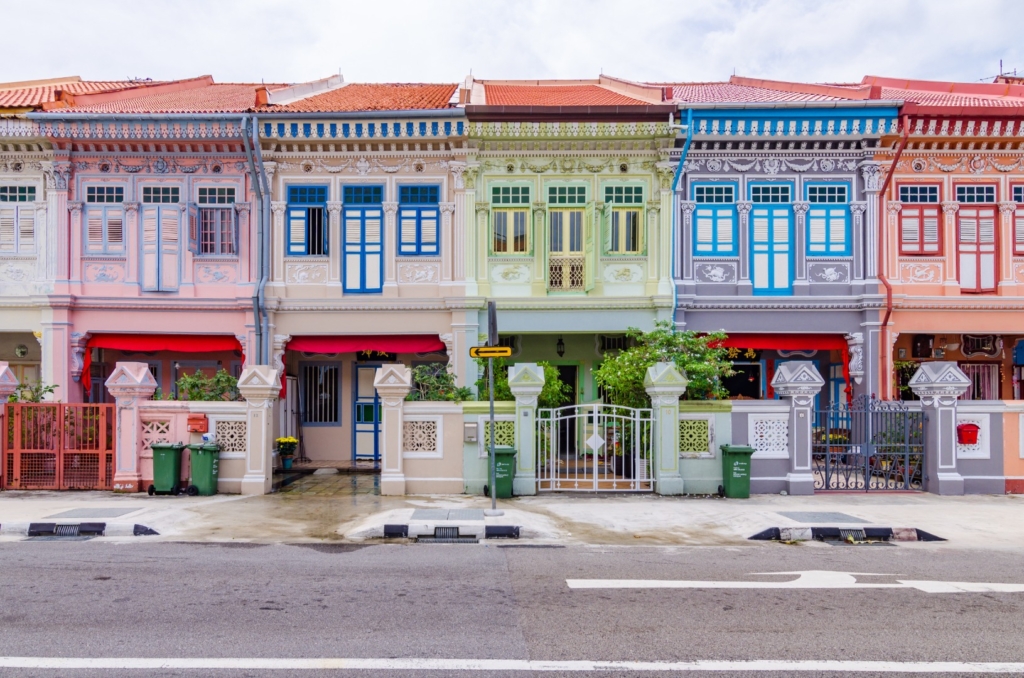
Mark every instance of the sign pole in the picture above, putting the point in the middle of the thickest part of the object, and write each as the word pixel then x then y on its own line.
pixel 494 461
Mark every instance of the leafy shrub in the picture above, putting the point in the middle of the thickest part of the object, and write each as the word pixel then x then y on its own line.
pixel 554 394
pixel 221 386
pixel 433 382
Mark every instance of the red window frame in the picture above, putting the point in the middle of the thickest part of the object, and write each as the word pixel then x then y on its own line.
pixel 906 208
pixel 978 252
pixel 1017 225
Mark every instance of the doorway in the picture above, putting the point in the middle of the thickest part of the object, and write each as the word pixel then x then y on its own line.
pixel 365 415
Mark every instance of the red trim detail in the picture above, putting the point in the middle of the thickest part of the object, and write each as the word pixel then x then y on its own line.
pixel 794 342
pixel 183 343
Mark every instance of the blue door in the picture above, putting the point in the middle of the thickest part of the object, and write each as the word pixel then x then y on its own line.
pixel 365 415
pixel 771 249
pixel 363 249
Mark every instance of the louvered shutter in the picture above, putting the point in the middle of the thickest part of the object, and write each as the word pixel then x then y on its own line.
pixel 987 249
pixel 910 230
pixel 781 248
pixel 8 234
pixel 1018 231
pixel 838 221
pixel 609 219
pixel 26 229
pixel 353 250
pixel 296 230
pixel 94 230
pixel 170 247
pixel 233 220
pixel 430 231
pixel 817 227
pixel 724 226
pixel 704 226
pixel 150 249
pixel 407 230
pixel 373 258
pixel 114 218
pixel 760 245
pixel 930 242
pixel 193 228
pixel 590 249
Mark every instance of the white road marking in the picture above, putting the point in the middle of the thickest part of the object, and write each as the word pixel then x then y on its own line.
pixel 434 664
pixel 806 579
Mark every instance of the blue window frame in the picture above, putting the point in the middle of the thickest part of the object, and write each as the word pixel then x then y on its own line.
pixel 828 219
pixel 363 235
pixel 418 220
pixel 306 228
pixel 363 195
pixel 771 238
pixel 715 220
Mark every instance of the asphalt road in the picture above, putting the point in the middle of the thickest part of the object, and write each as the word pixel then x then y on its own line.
pixel 495 602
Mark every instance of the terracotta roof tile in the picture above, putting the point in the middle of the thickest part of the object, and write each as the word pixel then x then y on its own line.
pixel 24 97
pixel 728 93
pixel 373 97
pixel 556 95
pixel 214 98
pixel 931 98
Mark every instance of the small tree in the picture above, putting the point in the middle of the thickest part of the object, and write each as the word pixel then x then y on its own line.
pixel 700 356
pixel 221 386
pixel 433 382
pixel 32 392
pixel 555 392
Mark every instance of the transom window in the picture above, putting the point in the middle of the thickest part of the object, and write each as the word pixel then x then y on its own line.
pixel 982 194
pixel 1018 193
pixel 510 232
pixel 419 195
pixel 307 195
pixel 216 196
pixel 714 194
pixel 567 195
pixel 160 194
pixel 624 195
pixel 17 193
pixel 826 194
pixel 104 194
pixel 770 194
pixel 510 195
pixel 919 194
pixel 363 195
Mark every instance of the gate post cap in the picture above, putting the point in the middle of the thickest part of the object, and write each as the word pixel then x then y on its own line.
pixel 8 382
pixel 525 379
pixel 797 378
pixel 131 379
pixel 393 380
pixel 939 379
pixel 259 382
pixel 665 379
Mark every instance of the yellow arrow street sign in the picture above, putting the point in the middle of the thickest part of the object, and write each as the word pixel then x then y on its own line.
pixel 490 352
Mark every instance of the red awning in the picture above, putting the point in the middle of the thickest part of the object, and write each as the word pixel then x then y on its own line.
pixel 182 343
pixel 796 342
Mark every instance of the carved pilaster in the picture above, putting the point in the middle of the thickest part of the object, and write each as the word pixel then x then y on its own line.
pixel 949 211
pixel 800 210
pixel 857 210
pixel 686 210
pixel 871 173
pixel 458 170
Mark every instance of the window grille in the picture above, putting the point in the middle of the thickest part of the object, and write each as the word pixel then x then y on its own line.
pixel 976 194
pixel 321 393
pixel 216 196
pixel 419 195
pixel 363 195
pixel 160 194
pixel 984 381
pixel 510 195
pixel 826 194
pixel 510 341
pixel 510 232
pixel 625 235
pixel 770 194
pixel 614 343
pixel 104 194
pixel 918 194
pixel 624 195
pixel 715 194
pixel 567 195
pixel 17 193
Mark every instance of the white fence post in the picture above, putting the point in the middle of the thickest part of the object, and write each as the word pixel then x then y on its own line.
pixel 129 384
pixel 393 382
pixel 665 385
pixel 799 381
pixel 526 380
pixel 260 385
pixel 938 384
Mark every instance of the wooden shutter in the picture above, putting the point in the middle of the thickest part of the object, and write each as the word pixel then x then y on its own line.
pixel 1018 231
pixel 170 247
pixel 817 227
pixel 919 230
pixel 407 231
pixel 837 230
pixel 114 217
pixel 26 229
pixel 704 227
pixel 374 249
pixel 296 230
pixel 429 231
pixel 781 247
pixel 724 227
pixel 987 249
pixel 193 228
pixel 760 244
pixel 94 229
pixel 353 249
pixel 590 249
pixel 8 235
pixel 150 247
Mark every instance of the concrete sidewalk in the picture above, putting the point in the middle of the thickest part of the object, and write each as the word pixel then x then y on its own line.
pixel 985 522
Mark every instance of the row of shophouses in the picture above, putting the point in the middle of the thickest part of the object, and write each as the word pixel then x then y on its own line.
pixel 329 227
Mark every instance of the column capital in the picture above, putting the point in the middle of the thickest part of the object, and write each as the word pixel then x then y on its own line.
pixel 950 207
pixel 334 207
pixel 801 208
pixel 390 208
pixel 278 207
pixel 894 207
pixel 858 207
pixel 447 207
pixel 1007 207
pixel 75 207
pixel 131 207
pixel 871 172
pixel 855 341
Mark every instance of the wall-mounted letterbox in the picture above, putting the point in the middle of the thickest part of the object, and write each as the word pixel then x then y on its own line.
pixel 198 423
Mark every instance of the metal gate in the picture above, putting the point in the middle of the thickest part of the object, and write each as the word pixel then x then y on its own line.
pixel 56 446
pixel 870 445
pixel 594 448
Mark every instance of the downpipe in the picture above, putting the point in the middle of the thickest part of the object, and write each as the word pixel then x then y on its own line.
pixel 265 233
pixel 882 219
pixel 675 206
pixel 257 301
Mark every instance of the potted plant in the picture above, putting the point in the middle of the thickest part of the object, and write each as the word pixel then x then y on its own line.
pixel 286 450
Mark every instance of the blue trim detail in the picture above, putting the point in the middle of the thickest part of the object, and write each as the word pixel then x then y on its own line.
pixel 433 129
pixel 334 130
pixel 359 130
pixel 409 129
pixel 345 130
pixel 307 129
pixel 295 130
pixel 267 127
pixel 459 126
pixel 363 251
pixel 423 129
pixel 280 129
pixel 372 131
pixel 447 129
pixel 320 130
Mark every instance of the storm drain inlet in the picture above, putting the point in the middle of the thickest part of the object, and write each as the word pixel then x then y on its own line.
pixel 447 535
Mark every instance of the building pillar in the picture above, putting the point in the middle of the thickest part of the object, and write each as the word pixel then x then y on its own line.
pixel 260 385
pixel 278 242
pixel 447 251
pixel 390 288
pixel 665 385
pixel 392 382
pixel 801 286
pixel 686 210
pixel 949 247
pixel 335 243
pixel 1005 237
pixel 526 380
pixel 938 384
pixel 855 342
pixel 744 286
pixel 129 384
pixel 871 175
pixel 857 210
pixel 799 381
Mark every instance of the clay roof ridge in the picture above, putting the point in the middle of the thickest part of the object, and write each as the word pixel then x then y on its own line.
pixel 26 84
pixel 860 93
pixel 67 100
pixel 990 89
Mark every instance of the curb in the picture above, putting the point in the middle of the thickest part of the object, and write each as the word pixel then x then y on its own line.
pixel 76 529
pixel 842 533
pixel 465 531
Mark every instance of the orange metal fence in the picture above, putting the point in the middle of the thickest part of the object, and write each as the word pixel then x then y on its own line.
pixel 57 446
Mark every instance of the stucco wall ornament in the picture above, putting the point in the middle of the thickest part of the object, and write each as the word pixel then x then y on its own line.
pixel 716 272
pixel 623 273
pixel 770 165
pixel 215 273
pixel 920 273
pixel 830 272
pixel 418 272
pixel 514 273
pixel 302 274
pixel 104 272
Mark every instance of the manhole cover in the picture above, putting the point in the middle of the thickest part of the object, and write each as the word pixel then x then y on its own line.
pixel 821 517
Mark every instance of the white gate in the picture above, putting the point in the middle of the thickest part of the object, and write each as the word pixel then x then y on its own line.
pixel 594 448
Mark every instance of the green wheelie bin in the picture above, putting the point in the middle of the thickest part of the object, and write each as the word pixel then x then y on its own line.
pixel 504 471
pixel 736 471
pixel 166 468
pixel 205 460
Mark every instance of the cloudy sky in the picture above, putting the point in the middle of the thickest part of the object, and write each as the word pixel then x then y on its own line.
pixel 443 40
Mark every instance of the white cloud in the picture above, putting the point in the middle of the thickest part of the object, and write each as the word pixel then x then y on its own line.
pixel 440 41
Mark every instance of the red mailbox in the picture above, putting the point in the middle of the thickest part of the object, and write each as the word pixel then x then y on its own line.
pixel 967 434
pixel 198 423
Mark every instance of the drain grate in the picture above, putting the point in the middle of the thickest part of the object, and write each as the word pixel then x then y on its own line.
pixel 846 534
pixel 446 532
pixel 65 531
pixel 447 535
